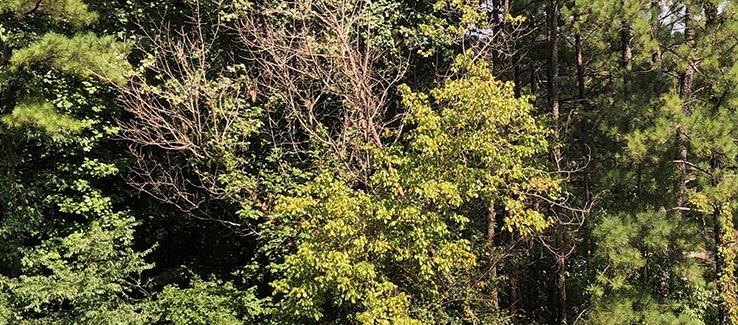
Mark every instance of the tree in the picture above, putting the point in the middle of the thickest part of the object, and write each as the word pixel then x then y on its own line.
pixel 425 209
pixel 675 140
pixel 67 246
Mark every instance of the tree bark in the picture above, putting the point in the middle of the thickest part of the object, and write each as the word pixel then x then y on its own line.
pixel 533 87
pixel 656 55
pixel 516 298
pixel 491 215
pixel 626 53
pixel 580 62
pixel 724 232
pixel 561 286
pixel 516 77
pixel 553 81
pixel 686 94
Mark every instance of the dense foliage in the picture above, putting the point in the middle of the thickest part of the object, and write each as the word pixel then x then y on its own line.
pixel 368 162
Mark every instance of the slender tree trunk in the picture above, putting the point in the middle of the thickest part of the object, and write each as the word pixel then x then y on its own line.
pixel 589 169
pixel 6 100
pixel 516 77
pixel 491 215
pixel 580 62
pixel 533 87
pixel 711 13
pixel 626 54
pixel 553 79
pixel 724 232
pixel 689 34
pixel 553 82
pixel 686 94
pixel 656 55
pixel 516 298
pixel 515 59
pixel 561 286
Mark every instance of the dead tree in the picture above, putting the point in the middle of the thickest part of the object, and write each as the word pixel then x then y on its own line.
pixel 186 120
pixel 318 61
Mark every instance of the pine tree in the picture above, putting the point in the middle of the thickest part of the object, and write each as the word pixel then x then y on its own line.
pixel 66 245
pixel 676 127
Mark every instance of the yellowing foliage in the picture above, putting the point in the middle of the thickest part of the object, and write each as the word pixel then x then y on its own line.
pixel 389 252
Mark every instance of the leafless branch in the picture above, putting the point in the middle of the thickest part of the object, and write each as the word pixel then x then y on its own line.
pixel 321 66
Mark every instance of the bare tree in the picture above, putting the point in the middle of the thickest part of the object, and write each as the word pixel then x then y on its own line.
pixel 320 62
pixel 316 68
pixel 188 118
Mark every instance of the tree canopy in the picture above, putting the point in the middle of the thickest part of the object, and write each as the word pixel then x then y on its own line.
pixel 368 162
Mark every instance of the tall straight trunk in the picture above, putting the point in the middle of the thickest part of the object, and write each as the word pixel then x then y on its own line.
pixel 580 62
pixel 561 275
pixel 533 83
pixel 514 59
pixel 724 232
pixel 553 83
pixel 491 215
pixel 553 76
pixel 656 55
pixel 7 101
pixel 553 70
pixel 689 33
pixel 516 77
pixel 516 297
pixel 497 18
pixel 686 94
pixel 626 54
pixel 589 168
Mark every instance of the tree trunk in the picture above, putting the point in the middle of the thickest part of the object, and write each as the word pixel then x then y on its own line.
pixel 491 215
pixel 656 55
pixel 686 94
pixel 725 253
pixel 626 54
pixel 516 77
pixel 553 78
pixel 561 286
pixel 515 296
pixel 580 62
pixel 553 81
pixel 533 87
